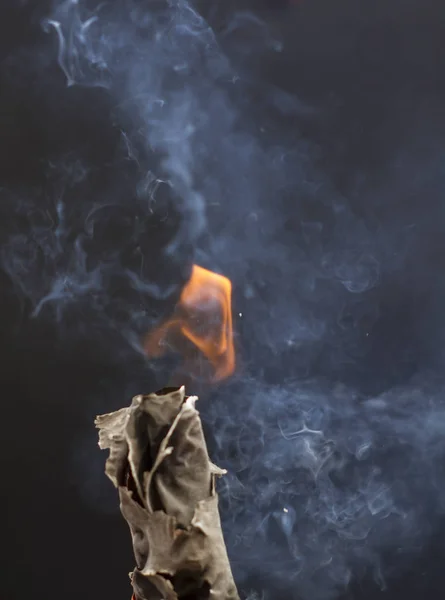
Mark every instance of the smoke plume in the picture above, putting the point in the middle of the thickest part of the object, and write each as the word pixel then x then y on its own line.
pixel 297 151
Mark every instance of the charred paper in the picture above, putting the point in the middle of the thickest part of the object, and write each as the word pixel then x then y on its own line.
pixel 159 463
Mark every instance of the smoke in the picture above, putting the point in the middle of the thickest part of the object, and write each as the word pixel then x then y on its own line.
pixel 296 158
pixel 147 74
pixel 323 484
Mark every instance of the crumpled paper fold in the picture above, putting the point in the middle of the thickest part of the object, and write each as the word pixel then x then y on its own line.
pixel 159 463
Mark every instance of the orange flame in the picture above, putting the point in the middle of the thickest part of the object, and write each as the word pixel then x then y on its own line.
pixel 203 316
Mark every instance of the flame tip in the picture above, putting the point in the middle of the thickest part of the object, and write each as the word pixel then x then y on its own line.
pixel 205 299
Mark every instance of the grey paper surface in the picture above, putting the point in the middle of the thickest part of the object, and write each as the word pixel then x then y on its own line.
pixel 159 463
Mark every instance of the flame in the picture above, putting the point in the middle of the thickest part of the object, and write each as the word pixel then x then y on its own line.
pixel 203 316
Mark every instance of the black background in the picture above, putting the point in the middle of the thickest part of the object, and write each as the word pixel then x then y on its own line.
pixel 379 68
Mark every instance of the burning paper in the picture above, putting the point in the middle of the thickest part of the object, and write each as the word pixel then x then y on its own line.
pixel 159 463
pixel 203 316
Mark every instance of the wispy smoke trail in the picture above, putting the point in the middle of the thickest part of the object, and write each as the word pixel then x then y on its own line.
pixel 164 141
pixel 322 482
pixel 155 67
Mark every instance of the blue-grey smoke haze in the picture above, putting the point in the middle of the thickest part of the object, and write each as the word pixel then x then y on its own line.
pixel 303 159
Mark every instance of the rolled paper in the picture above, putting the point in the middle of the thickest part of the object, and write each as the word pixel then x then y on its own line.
pixel 159 463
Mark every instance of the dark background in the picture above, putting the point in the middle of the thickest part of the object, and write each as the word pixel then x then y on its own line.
pixel 368 125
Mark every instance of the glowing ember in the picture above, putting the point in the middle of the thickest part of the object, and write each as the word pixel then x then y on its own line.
pixel 204 317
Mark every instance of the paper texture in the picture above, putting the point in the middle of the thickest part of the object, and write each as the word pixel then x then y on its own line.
pixel 159 463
